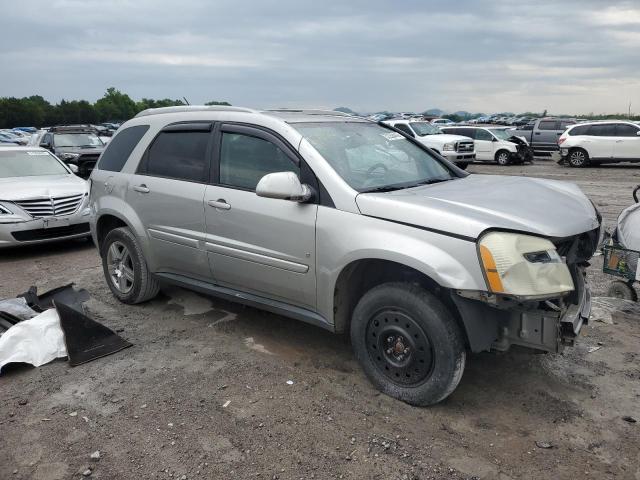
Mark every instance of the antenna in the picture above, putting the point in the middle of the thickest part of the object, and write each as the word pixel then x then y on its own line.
pixel 186 101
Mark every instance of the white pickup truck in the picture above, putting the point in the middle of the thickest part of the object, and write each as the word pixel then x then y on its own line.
pixel 455 148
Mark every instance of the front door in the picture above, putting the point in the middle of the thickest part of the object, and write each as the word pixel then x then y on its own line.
pixel 258 245
pixel 167 194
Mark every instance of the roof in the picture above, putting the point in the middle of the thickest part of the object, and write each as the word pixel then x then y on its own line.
pixel 284 114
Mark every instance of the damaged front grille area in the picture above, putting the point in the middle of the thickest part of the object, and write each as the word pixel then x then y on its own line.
pixel 579 248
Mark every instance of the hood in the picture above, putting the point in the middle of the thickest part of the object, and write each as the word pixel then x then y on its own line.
pixel 41 186
pixel 444 137
pixel 470 205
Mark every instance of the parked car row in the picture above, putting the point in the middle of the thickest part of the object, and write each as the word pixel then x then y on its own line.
pixel 593 143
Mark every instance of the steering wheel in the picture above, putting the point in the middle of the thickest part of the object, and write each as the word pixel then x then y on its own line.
pixel 373 168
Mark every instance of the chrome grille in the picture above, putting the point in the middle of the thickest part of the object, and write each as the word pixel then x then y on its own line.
pixel 464 146
pixel 48 207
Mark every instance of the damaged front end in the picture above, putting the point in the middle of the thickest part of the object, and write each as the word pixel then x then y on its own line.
pixel 523 153
pixel 497 322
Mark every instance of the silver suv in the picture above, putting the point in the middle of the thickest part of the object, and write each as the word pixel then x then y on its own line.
pixel 350 226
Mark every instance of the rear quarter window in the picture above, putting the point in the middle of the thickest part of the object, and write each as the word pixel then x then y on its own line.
pixel 579 130
pixel 120 147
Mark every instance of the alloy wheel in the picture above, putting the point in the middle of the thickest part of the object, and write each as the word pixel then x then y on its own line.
pixel 577 158
pixel 120 267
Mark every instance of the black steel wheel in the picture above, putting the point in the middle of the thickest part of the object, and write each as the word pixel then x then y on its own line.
pixel 408 343
pixel 623 290
pixel 399 347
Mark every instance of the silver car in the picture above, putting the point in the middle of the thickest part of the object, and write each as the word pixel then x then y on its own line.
pixel 41 199
pixel 350 226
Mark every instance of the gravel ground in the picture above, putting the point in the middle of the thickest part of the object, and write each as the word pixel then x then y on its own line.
pixel 216 390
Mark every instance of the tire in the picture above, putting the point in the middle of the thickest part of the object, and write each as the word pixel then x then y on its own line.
pixel 623 290
pixel 408 344
pixel 125 269
pixel 578 158
pixel 462 166
pixel 503 157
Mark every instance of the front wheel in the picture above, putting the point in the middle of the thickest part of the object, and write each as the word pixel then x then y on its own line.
pixel 462 166
pixel 502 157
pixel 408 344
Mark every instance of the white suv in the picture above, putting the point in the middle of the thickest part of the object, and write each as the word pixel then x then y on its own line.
pixel 455 148
pixel 600 142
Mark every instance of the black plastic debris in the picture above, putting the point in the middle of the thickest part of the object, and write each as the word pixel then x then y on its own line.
pixel 85 338
pixel 65 294
pixel 7 321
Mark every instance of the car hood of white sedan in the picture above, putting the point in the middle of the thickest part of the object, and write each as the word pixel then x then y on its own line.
pixel 444 138
pixel 42 186
pixel 468 206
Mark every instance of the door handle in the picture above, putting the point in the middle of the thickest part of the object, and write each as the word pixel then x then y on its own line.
pixel 619 141
pixel 141 188
pixel 221 203
pixel 536 133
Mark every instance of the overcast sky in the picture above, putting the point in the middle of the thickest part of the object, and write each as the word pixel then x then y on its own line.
pixel 490 56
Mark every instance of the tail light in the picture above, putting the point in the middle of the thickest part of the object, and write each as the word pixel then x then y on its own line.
pixel 561 140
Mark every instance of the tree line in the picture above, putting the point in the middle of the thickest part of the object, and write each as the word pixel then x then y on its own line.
pixel 114 106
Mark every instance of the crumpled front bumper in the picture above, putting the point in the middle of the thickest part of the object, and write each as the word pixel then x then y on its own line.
pixel 48 229
pixel 548 329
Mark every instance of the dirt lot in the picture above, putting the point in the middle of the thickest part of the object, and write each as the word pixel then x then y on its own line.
pixel 157 410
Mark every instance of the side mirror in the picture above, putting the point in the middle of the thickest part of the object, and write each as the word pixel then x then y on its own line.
pixel 72 167
pixel 638 133
pixel 46 145
pixel 284 186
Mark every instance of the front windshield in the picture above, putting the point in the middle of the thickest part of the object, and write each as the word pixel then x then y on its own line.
pixel 502 134
pixel 425 128
pixel 370 157
pixel 77 140
pixel 24 163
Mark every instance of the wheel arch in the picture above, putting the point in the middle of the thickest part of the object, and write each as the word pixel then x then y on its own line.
pixel 360 276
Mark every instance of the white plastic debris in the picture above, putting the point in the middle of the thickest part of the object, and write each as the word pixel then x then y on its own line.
pixel 226 404
pixel 289 382
pixel 36 341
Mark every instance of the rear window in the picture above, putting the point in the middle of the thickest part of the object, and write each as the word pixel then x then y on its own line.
pixel 120 147
pixel 606 130
pixel 548 125
pixel 579 130
pixel 178 155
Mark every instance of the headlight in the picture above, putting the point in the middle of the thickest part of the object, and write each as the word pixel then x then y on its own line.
pixel 69 156
pixel 523 265
pixel 448 147
pixel 9 214
pixel 4 211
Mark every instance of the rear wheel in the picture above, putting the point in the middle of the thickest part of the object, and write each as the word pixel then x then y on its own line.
pixel 463 166
pixel 408 344
pixel 125 268
pixel 623 290
pixel 578 158
pixel 502 157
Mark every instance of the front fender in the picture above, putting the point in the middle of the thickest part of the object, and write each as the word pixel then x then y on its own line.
pixel 343 238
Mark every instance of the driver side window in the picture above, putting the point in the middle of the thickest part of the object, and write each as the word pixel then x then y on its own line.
pixel 244 160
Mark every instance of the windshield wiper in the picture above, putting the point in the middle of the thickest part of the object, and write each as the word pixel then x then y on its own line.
pixel 391 188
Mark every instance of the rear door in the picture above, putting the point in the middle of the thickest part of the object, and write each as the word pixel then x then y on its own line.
pixel 167 193
pixel 259 245
pixel 602 140
pixel 627 144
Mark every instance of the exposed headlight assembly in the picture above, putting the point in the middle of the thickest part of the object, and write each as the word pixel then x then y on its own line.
pixel 448 147
pixel 69 156
pixel 523 265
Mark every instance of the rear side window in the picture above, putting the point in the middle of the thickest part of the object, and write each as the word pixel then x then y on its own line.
pixel 566 123
pixel 120 147
pixel 548 125
pixel 244 160
pixel 606 130
pixel 579 130
pixel 626 130
pixel 179 155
